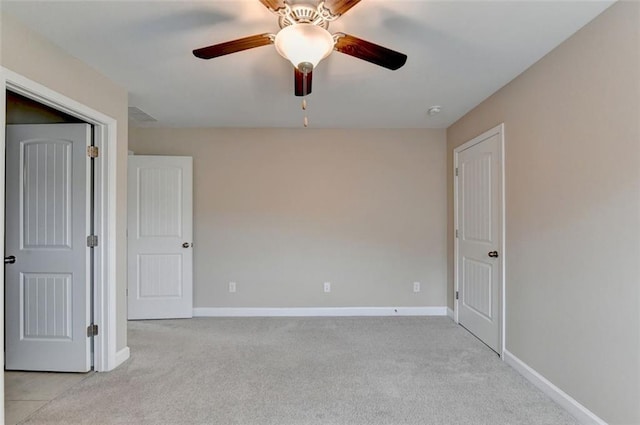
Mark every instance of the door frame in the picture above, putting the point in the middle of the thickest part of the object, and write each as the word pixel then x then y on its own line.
pixel 497 130
pixel 104 272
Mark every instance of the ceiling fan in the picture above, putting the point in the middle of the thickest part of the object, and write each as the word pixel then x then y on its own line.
pixel 304 40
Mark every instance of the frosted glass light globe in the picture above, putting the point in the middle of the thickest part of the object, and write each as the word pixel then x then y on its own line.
pixel 300 43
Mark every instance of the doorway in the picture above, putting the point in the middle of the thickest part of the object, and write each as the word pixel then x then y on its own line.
pixel 104 297
pixel 479 237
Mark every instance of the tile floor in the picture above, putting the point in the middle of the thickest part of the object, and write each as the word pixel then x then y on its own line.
pixel 26 392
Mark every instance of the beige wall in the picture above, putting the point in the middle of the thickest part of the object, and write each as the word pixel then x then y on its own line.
pixel 572 126
pixel 279 212
pixel 34 57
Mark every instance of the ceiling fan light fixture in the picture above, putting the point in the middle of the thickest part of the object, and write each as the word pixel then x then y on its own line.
pixel 304 43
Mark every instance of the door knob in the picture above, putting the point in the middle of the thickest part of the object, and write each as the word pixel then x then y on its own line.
pixel 493 254
pixel 187 245
pixel 10 259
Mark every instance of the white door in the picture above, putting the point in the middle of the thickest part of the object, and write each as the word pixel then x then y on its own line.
pixel 479 237
pixel 47 288
pixel 160 257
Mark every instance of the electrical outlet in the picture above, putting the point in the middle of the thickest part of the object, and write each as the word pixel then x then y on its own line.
pixel 327 287
pixel 416 286
pixel 232 287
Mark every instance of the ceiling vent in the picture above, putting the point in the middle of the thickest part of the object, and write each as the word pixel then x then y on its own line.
pixel 138 115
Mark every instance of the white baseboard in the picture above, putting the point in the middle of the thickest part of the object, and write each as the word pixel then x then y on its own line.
pixel 122 356
pixel 581 413
pixel 450 314
pixel 318 311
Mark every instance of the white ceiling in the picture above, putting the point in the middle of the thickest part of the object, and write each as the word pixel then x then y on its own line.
pixel 460 52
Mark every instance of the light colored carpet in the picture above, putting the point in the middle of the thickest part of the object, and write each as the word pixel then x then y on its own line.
pixel 392 370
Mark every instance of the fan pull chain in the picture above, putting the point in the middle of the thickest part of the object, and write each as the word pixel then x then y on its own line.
pixel 304 108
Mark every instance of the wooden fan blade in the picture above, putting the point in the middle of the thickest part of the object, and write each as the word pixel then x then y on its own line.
pixel 233 46
pixel 361 49
pixel 302 82
pixel 339 7
pixel 273 5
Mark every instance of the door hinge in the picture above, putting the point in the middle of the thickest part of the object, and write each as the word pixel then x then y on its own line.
pixel 92 151
pixel 92 241
pixel 92 330
pixel 456 233
pixel 456 171
pixel 457 295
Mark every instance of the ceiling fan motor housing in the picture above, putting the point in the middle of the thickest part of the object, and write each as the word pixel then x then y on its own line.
pixel 305 14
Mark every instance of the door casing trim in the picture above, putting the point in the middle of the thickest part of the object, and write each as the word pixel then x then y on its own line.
pixel 105 134
pixel 499 130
